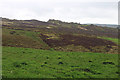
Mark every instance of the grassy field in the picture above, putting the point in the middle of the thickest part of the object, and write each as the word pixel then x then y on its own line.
pixel 36 63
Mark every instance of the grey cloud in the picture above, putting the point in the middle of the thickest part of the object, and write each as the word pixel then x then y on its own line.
pixel 67 11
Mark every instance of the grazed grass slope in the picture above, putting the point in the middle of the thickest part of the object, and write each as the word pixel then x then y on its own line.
pixel 33 63
pixel 21 38
pixel 115 40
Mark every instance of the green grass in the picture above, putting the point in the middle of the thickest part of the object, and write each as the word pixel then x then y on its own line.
pixel 115 40
pixel 34 63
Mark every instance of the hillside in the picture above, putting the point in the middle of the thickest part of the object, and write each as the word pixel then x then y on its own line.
pixel 57 26
pixel 57 49
pixel 62 36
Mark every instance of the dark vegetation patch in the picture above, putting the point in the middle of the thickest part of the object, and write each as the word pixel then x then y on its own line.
pixel 18 65
pixel 89 61
pixel 75 66
pixel 85 41
pixel 42 65
pixel 118 72
pixel 47 57
pixel 45 62
pixel 24 63
pixel 109 63
pixel 59 57
pixel 60 63
pixel 85 70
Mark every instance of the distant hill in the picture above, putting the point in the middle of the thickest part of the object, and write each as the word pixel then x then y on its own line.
pixel 107 25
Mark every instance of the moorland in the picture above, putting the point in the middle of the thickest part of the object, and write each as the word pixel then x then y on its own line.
pixel 58 49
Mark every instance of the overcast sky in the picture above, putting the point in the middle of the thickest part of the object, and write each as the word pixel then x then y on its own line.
pixel 81 11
